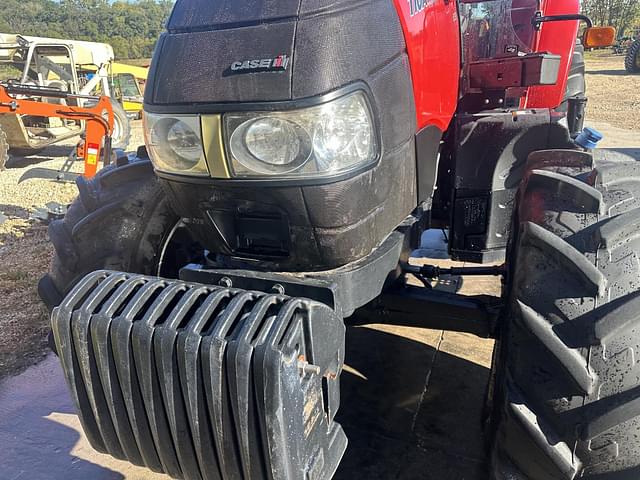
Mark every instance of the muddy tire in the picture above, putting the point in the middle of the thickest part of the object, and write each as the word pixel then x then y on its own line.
pixel 632 60
pixel 567 377
pixel 4 149
pixel 121 220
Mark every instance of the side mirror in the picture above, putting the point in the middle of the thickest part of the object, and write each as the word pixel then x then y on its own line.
pixel 599 37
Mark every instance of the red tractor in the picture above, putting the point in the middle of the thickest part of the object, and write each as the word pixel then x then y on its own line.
pixel 295 152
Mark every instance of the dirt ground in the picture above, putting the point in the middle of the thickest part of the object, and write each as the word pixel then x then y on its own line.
pixel 614 95
pixel 25 252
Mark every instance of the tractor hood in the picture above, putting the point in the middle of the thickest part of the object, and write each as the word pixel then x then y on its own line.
pixel 219 58
pixel 269 50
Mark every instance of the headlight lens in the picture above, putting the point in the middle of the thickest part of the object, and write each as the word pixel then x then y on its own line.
pixel 175 143
pixel 323 140
pixel 271 145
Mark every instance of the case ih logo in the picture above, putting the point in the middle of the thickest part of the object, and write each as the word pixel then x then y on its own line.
pixel 277 64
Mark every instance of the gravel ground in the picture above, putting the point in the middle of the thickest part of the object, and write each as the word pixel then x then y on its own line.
pixel 614 95
pixel 25 252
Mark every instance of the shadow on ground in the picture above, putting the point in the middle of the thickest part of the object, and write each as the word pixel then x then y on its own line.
pixel 631 152
pixel 620 71
pixel 46 154
pixel 13 212
pixel 410 411
pixel 37 441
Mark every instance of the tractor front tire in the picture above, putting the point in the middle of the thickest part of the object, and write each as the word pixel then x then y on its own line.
pixel 121 127
pixel 4 149
pixel 121 220
pixel 566 401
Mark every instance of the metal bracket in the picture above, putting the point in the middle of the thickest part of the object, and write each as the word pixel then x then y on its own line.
pixel 51 211
pixel 344 289
pixel 433 271
pixel 63 175
pixel 538 19
pixel 420 307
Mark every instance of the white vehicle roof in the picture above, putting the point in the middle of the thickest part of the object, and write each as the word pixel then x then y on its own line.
pixel 84 53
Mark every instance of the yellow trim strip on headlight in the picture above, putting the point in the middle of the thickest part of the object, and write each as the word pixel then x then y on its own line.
pixel 213 145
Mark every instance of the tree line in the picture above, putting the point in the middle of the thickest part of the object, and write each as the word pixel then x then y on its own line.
pixel 622 14
pixel 131 28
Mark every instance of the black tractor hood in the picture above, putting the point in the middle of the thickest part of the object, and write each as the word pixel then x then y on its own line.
pixel 206 37
pixel 225 55
pixel 239 51
pixel 214 14
pixel 195 67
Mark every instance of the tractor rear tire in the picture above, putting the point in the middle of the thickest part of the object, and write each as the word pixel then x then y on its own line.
pixel 4 149
pixel 566 400
pixel 632 60
pixel 121 220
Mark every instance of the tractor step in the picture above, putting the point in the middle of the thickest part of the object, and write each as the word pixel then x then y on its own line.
pixel 201 381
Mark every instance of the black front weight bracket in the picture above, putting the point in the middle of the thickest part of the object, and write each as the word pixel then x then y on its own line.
pixel 397 304
pixel 202 381
pixel 232 373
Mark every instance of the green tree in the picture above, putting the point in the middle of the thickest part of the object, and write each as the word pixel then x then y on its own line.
pixel 132 28
pixel 621 14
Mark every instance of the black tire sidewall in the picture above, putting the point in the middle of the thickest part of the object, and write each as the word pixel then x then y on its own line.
pixel 124 229
pixel 120 116
pixel 4 149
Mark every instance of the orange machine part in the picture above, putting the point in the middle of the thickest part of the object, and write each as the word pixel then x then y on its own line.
pixel 99 122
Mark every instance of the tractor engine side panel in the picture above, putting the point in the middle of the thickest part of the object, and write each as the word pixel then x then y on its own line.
pixel 432 34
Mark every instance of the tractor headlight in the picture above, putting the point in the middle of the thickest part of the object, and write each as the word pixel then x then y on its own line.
pixel 323 140
pixel 271 145
pixel 174 143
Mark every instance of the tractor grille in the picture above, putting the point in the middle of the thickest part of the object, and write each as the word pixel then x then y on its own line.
pixel 203 382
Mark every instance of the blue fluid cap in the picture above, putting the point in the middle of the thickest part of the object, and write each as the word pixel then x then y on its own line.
pixel 589 138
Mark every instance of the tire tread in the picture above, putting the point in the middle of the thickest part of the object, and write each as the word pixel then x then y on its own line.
pixel 568 351
pixel 573 363
pixel 116 222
